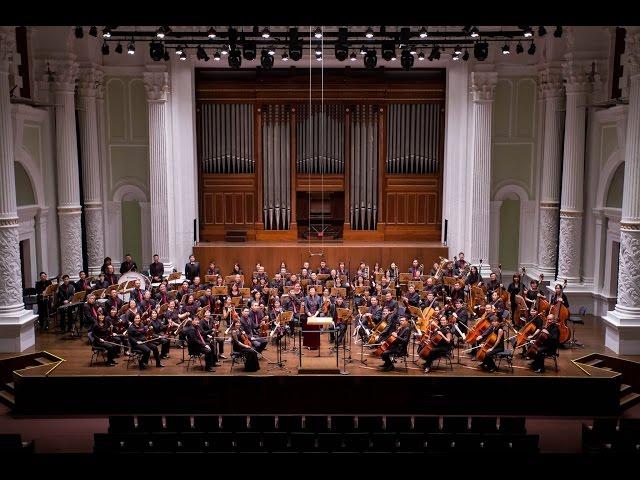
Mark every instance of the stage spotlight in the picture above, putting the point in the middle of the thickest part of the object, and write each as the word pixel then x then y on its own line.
pixel 165 55
pixel 93 31
pixel 118 48
pixel 318 49
pixel 455 57
pixel 211 33
pixel 558 32
pixel 319 57
pixel 249 51
pixel 519 48
pixel 542 31
pixel 131 49
pixel 457 50
pixel 106 32
pixel 474 32
pixel 465 57
pixel 342 46
pixel 434 54
pixel 363 50
pixel 423 33
pixel 179 50
pixel 481 51
pixel 266 60
pixel 353 57
pixel 216 56
pixel 235 58
pixel 505 49
pixel 156 51
pixel 318 32
pixel 369 33
pixel 79 32
pixel 295 51
pixel 160 33
pixel 370 59
pixel 266 33
pixel 413 50
pixel 406 59
pixel 528 32
pixel 105 48
pixel 532 49
pixel 285 57
pixel 225 49
pixel 421 56
pixel 183 55
pixel 388 50
pixel 271 51
pixel 201 54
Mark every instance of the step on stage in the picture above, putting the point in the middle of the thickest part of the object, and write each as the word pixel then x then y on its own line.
pixel 270 254
pixel 583 386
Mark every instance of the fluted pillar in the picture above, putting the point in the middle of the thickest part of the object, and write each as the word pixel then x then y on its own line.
pixel 483 85
pixel 156 82
pixel 16 323
pixel 623 323
pixel 89 80
pixel 553 94
pixel 65 73
pixel 570 252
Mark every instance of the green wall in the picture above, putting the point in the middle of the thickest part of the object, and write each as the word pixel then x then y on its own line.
pixel 509 234
pixel 24 190
pixel 614 194
pixel 131 230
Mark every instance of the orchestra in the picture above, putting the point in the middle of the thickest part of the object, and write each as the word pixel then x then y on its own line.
pixel 386 311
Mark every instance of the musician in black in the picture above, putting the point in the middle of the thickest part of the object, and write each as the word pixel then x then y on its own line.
pixel 390 302
pixel 238 336
pixel 110 276
pixel 261 274
pixel 137 338
pixel 113 300
pixel 415 270
pixel 532 294
pixel 278 283
pixel 183 290
pixel 105 265
pixel 213 270
pixel 492 285
pixel 128 265
pixel 430 301
pixel 65 295
pixel 43 303
pixel 83 284
pixel 538 321
pixel 252 330
pixel 160 329
pixel 90 311
pixel 461 314
pixel 497 327
pixel 514 288
pixel 102 337
pixel 156 269
pixel 392 324
pixel 137 293
pixel 442 347
pixel 312 305
pixel 161 297
pixel 118 326
pixel 497 304
pixel 323 269
pixel 399 345
pixel 192 268
pixel 197 344
pixel 474 278
pixel 460 264
pixel 458 292
pixel 101 283
pixel 209 331
pixel 340 325
pixel 546 346
pixel 559 295
pixel 413 297
pixel 431 287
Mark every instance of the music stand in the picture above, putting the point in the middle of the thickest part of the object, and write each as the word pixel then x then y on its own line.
pixel 323 276
pixel 404 278
pixel 335 291
pixel 245 293
pixel 199 293
pixel 220 291
pixel 281 319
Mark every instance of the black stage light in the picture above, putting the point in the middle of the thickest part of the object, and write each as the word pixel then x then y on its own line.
pixel 406 59
pixel 528 32
pixel 249 51
pixel 465 57
pixel 156 51
pixel 481 51
pixel 183 54
pixel 106 32
pixel 165 56
pixel 295 47
pixel 285 56
pixel 216 56
pixel 558 32
pixel 457 50
pixel 369 33
pixel 519 48
pixel 105 48
pixel 317 50
pixel 505 49
pixel 353 57
pixel 235 58
pixel 434 54
pixel 474 32
pixel 93 31
pixel 532 49
pixel 201 54
pixel 131 49
pixel 363 50
pixel 388 50
pixel 79 32
pixel 317 33
pixel 342 47
pixel 370 58
pixel 421 56
pixel 266 33
pixel 179 50
pixel 211 33
pixel 542 31
pixel 266 60
pixel 118 48
pixel 423 33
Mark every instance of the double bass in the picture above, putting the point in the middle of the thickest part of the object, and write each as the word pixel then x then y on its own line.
pixel 561 314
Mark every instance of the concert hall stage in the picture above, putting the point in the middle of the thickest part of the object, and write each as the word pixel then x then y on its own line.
pixel 270 254
pixel 580 388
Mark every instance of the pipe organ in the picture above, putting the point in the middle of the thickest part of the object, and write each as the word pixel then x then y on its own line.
pixel 368 158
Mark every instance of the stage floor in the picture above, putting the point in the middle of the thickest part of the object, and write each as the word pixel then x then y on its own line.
pixel 76 353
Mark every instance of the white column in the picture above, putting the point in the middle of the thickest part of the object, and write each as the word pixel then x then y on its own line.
pixel 65 73
pixel 41 239
pixel 494 248
pixel 88 82
pixel 623 323
pixel 552 91
pixel 570 252
pixel 483 85
pixel 16 323
pixel 156 82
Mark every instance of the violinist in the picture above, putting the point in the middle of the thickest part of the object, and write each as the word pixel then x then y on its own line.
pixel 546 345
pixel 82 285
pixel 497 327
pixel 399 345
pixel 156 269
pixel 257 316
pixel 241 344
pixel 190 306
pixel 147 304
pixel 136 292
pixel 415 270
pixel 206 300
pixel 160 328
pixel 197 344
pixel 118 326
pixel 161 297
pixel 458 292
pixel 137 337
pixel 559 295
pixel 113 301
pixel 461 314
pixel 443 347
pixel 251 329
pixel 413 297
pixel 132 311
pixel 103 338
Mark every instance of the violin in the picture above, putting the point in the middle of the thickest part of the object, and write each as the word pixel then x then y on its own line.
pixel 149 333
pixel 325 306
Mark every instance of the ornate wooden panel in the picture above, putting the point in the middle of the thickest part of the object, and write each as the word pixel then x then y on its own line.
pixel 228 203
pixel 412 207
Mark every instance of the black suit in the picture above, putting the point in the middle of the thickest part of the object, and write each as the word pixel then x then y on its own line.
pixel 196 344
pixel 156 270
pixel 66 292
pixel 398 347
pixel 128 267
pixel 192 270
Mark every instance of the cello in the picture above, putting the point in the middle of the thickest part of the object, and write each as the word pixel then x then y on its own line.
pixel 479 328
pixel 431 339
pixel 489 343
pixel 526 331
pixel 561 313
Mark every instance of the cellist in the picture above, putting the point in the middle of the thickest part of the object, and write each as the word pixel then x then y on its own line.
pixel 444 345
pixel 497 327
pixel 399 345
pixel 549 344
pixel 536 319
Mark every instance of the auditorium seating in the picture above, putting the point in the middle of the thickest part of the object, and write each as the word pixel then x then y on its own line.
pixel 605 436
pixel 316 433
pixel 12 444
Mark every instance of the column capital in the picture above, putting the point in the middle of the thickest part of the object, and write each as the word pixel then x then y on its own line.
pixel 577 76
pixel 483 86
pixel 7 47
pixel 551 82
pixel 89 79
pixel 156 83
pixel 62 75
pixel 630 60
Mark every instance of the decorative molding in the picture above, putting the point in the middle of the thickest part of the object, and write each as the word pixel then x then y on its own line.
pixel 570 247
pixel 577 77
pixel 95 237
pixel 551 82
pixel 570 214
pixel 629 271
pixel 7 48
pixel 71 246
pixel 88 81
pixel 630 226
pixel 156 83
pixel 483 86
pixel 548 237
pixel 10 285
pixel 65 75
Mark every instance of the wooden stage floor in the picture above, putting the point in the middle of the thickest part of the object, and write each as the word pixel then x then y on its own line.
pixel 76 353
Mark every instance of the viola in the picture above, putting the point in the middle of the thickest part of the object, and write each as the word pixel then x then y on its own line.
pixel 149 333
pixel 244 338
